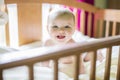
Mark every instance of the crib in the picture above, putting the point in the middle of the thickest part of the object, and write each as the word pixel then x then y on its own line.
pixel 105 25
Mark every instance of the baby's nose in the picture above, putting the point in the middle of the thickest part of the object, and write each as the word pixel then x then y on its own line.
pixel 61 30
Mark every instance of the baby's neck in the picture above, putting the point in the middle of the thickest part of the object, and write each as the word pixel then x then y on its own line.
pixel 51 42
pixel 68 42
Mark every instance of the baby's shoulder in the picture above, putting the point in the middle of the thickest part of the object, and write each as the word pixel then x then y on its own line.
pixel 71 41
pixel 48 42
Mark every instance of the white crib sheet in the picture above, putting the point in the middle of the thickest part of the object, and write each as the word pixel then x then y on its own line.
pixel 6 50
pixel 41 73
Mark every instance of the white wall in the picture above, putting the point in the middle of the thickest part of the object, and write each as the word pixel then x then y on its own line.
pixel 1 2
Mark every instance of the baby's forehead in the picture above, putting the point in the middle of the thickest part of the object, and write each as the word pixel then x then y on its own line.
pixel 64 13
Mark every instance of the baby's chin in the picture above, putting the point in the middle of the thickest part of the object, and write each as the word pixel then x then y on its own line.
pixel 60 41
pixel 65 41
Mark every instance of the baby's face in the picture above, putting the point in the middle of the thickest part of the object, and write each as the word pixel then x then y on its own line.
pixel 61 29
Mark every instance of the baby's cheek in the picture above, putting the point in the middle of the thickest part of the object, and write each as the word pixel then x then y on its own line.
pixel 69 32
pixel 53 32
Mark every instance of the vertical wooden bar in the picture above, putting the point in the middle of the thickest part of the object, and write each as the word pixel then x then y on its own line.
pixel 95 26
pixel 118 67
pixel 31 72
pixel 107 29
pixel 55 69
pixel 108 63
pixel 93 66
pixel 7 35
pixel 89 23
pixel 1 74
pixel 101 28
pixel 82 21
pixel 77 65
pixel 114 29
pixel 76 18
pixel 7 30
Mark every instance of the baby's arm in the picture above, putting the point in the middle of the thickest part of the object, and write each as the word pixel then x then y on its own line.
pixel 46 63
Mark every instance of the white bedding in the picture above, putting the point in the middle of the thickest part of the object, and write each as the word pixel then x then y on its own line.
pixel 41 73
pixel 6 50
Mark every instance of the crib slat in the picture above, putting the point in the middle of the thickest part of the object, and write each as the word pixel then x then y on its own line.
pixel 114 29
pixel 27 23
pixel 108 63
pixel 76 18
pixel 101 28
pixel 77 69
pixel 95 26
pixel 107 29
pixel 89 23
pixel 1 75
pixel 82 22
pixel 55 69
pixel 31 72
pixel 118 67
pixel 93 66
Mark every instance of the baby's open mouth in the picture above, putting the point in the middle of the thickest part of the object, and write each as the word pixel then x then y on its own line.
pixel 60 37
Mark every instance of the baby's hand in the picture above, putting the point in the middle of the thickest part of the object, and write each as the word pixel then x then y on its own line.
pixel 45 64
pixel 100 57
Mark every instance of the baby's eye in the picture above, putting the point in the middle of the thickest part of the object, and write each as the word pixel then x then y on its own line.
pixel 67 26
pixel 54 26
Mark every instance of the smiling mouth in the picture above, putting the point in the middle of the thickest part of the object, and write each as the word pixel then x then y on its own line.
pixel 60 37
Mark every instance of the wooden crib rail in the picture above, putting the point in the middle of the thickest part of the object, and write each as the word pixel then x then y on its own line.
pixel 72 3
pixel 20 58
pixel 105 17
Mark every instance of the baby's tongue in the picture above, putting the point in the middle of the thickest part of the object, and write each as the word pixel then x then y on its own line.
pixel 60 37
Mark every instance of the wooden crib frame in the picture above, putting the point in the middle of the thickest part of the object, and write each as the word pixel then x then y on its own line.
pixel 55 54
pixel 25 27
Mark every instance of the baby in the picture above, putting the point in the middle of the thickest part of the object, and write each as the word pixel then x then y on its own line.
pixel 61 27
